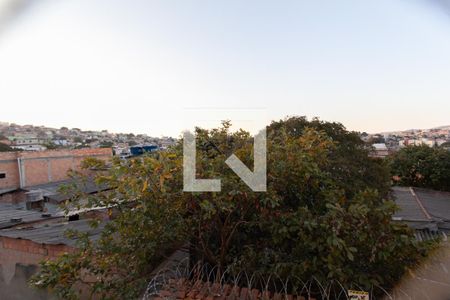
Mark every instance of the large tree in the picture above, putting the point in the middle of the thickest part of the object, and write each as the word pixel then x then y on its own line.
pixel 422 166
pixel 324 214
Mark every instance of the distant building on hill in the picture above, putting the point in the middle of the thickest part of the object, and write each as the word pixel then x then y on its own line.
pixel 380 150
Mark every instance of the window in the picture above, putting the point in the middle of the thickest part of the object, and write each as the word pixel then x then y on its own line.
pixel 2 175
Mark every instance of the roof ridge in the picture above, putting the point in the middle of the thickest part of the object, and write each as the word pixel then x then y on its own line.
pixel 425 212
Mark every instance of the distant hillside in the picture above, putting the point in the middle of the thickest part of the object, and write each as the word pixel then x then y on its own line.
pixel 447 127
pixel 443 127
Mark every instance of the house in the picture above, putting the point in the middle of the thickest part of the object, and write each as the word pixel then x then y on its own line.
pixel 28 143
pixel 23 247
pixel 31 147
pixel 379 150
pixel 60 142
pixel 20 170
pixel 34 230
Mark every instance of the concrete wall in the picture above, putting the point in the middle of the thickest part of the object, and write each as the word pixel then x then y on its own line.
pixel 24 169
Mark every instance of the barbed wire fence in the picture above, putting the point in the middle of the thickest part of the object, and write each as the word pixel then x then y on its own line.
pixel 265 284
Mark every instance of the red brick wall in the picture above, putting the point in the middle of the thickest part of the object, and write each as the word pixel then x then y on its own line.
pixel 36 172
pixel 25 252
pixel 44 166
pixel 27 247
pixel 13 197
pixel 8 165
pixel 60 167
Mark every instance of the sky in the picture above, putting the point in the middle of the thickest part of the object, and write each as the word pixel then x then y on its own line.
pixel 162 66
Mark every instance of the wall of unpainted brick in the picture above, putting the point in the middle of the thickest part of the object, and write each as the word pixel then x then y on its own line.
pixel 59 168
pixel 13 197
pixel 25 252
pixel 36 172
pixel 18 252
pixel 9 167
pixel 44 166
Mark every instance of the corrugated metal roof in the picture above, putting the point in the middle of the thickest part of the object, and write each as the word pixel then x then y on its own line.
pixel 436 203
pixel 11 211
pixel 409 208
pixel 416 203
pixel 51 190
pixel 428 235
pixel 7 190
pixel 54 233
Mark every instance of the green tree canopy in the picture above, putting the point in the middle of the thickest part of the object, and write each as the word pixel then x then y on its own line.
pixel 77 139
pixel 323 215
pixel 51 145
pixel 106 144
pixel 445 145
pixel 5 148
pixel 422 166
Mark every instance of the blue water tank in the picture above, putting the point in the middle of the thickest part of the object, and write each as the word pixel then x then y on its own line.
pixel 150 148
pixel 139 150
pixel 136 150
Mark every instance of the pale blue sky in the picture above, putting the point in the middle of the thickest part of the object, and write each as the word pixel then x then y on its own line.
pixel 141 66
